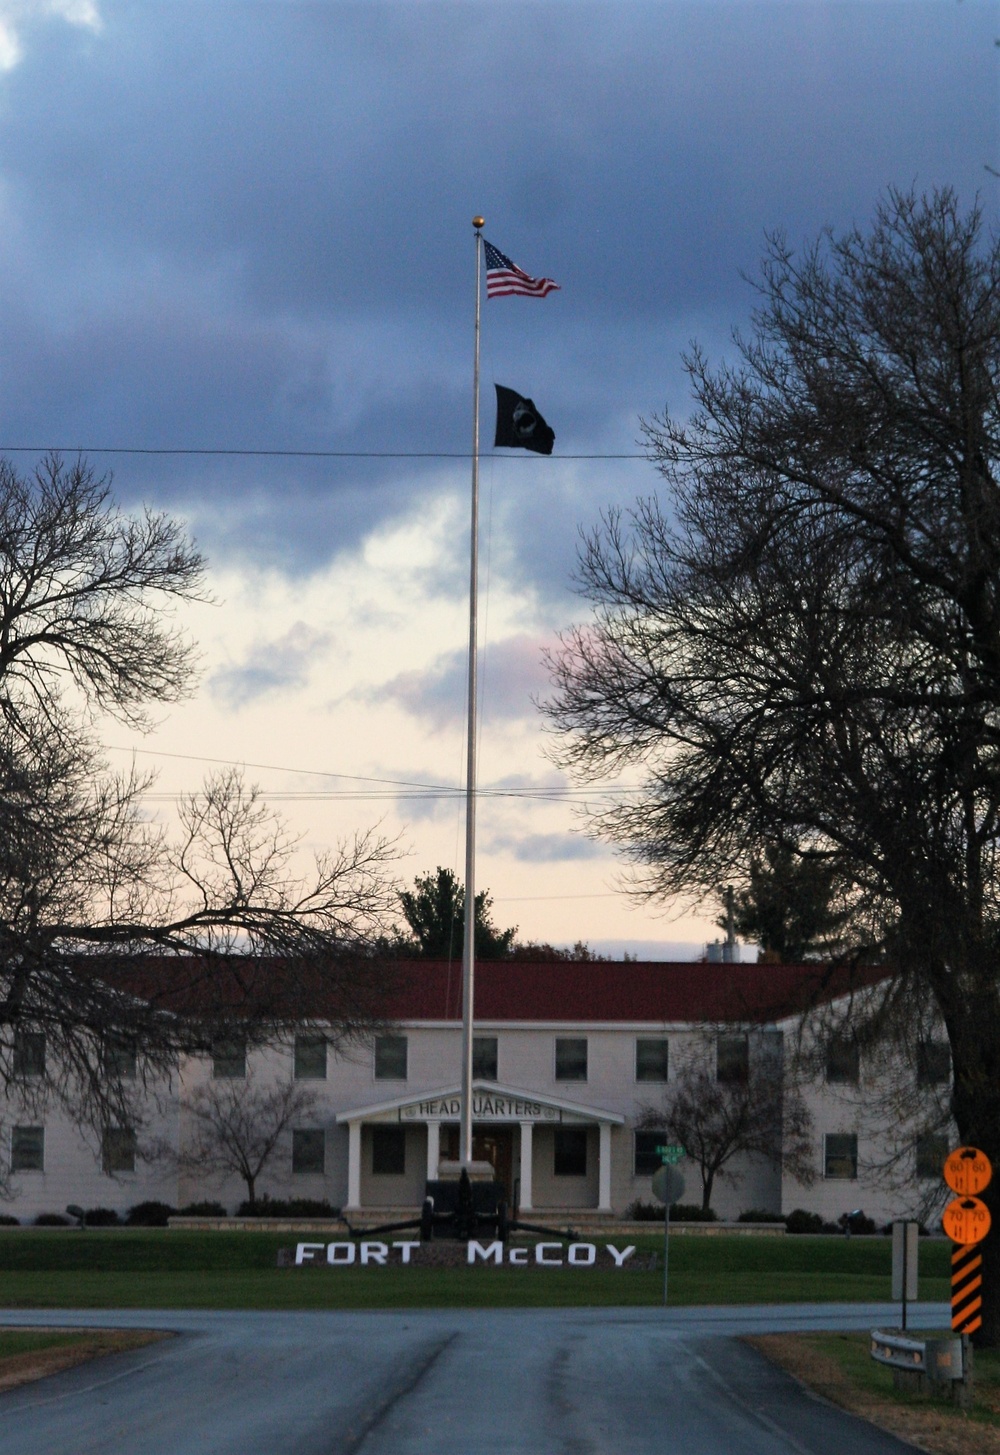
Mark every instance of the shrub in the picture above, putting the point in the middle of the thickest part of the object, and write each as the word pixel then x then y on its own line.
pixel 292 1207
pixel 51 1220
pixel 6 1221
pixel 759 1215
pixel 692 1212
pixel 203 1210
pixel 101 1217
pixel 644 1212
pixel 856 1222
pixel 681 1212
pixel 149 1215
pixel 801 1221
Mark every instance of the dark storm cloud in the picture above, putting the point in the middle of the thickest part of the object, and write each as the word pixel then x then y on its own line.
pixel 248 225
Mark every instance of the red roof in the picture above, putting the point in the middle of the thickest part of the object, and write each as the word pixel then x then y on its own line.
pixel 648 990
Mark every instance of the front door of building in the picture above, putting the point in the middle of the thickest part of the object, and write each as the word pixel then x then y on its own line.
pixel 494 1145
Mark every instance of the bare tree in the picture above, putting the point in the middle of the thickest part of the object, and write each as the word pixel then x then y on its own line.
pixel 115 933
pixel 240 1128
pixel 716 1121
pixel 803 648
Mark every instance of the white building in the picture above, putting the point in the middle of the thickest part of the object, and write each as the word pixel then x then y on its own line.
pixel 572 1061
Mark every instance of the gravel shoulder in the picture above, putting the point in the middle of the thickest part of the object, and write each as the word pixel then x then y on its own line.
pixel 935 1427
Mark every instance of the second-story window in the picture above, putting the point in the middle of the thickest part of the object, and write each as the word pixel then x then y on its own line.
pixel 310 1058
pixel 933 1063
pixel 120 1060
pixel 571 1058
pixel 484 1058
pixel 390 1058
pixel 229 1058
pixel 29 1053
pixel 651 1058
pixel 732 1060
pixel 842 1061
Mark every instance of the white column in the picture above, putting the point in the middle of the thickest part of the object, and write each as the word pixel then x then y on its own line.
pixel 433 1149
pixel 354 1164
pixel 526 1130
pixel 604 1169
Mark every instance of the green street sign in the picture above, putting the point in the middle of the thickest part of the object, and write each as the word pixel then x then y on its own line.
pixel 670 1154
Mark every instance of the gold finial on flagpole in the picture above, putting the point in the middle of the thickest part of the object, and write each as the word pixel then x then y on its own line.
pixel 478 222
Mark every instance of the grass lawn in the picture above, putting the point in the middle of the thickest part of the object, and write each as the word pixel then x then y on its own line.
pixel 178 1268
pixel 29 1354
pixel 28 1341
pixel 839 1367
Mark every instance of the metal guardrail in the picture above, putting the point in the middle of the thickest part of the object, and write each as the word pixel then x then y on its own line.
pixel 941 1360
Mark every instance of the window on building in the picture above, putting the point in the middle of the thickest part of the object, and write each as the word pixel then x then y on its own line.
pixel 29 1053
pixel 390 1058
pixel 570 1156
pixel 931 1150
pixel 229 1059
pixel 27 1149
pixel 389 1151
pixel 118 1149
pixel 571 1058
pixel 310 1058
pixel 842 1061
pixel 651 1059
pixel 484 1057
pixel 933 1063
pixel 732 1060
pixel 841 1156
pixel 308 1149
pixel 647 1158
pixel 120 1059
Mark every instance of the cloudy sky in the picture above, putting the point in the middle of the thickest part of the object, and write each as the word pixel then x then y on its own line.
pixel 242 231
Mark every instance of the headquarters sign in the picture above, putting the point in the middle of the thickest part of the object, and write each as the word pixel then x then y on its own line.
pixel 487 1106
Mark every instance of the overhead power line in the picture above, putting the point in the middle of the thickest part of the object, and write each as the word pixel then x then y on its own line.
pixel 290 454
pixel 411 788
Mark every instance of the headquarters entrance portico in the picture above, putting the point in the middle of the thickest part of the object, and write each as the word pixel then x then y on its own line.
pixel 514 1129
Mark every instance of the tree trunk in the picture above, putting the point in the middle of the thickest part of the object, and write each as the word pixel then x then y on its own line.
pixel 251 1183
pixel 707 1179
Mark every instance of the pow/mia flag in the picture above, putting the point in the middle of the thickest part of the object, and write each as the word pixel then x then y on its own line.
pixel 519 424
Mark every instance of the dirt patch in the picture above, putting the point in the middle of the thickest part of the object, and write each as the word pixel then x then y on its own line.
pixel 16 1369
pixel 939 1429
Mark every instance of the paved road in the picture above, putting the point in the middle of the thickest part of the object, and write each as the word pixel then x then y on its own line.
pixel 442 1382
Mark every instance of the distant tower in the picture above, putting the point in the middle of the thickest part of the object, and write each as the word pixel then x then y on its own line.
pixel 727 951
pixel 730 950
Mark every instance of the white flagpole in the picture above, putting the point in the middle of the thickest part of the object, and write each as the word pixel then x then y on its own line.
pixel 469 942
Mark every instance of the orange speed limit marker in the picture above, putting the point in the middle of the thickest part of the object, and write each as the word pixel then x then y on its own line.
pixel 967 1171
pixel 966 1220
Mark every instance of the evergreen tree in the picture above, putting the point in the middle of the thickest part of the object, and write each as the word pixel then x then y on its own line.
pixel 788 907
pixel 434 909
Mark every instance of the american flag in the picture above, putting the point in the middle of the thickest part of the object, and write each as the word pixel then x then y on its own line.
pixel 504 277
